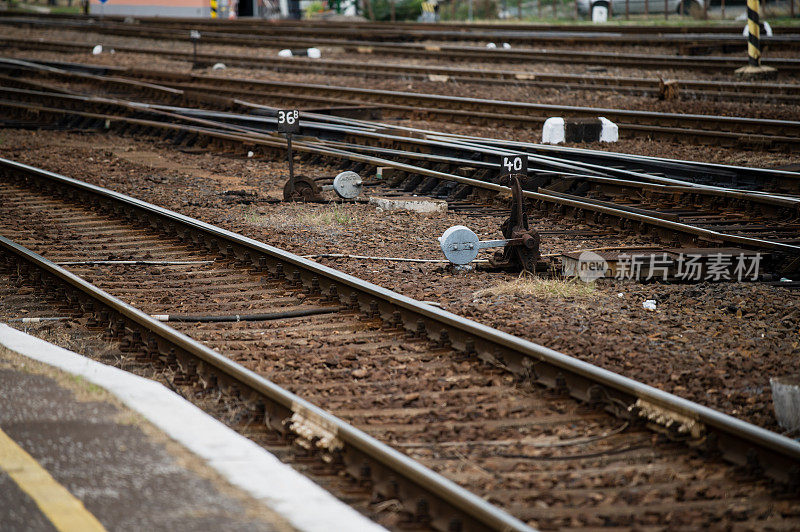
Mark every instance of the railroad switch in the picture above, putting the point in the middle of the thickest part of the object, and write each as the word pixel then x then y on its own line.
pixel 520 252
pixel 347 185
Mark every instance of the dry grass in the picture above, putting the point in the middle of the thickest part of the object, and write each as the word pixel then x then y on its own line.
pixel 530 285
pixel 314 218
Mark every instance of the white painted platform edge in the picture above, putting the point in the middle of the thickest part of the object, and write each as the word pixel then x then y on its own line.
pixel 305 505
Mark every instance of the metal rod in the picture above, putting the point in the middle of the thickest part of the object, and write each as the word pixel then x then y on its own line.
pixel 134 262
pixel 38 320
pixel 268 316
pixel 291 162
pixel 367 257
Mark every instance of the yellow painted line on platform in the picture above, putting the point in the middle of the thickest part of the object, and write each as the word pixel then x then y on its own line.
pixel 64 511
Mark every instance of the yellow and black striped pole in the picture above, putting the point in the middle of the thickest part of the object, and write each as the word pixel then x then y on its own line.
pixel 213 8
pixel 754 68
pixel 753 34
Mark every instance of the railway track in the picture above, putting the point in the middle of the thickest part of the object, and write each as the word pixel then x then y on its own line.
pixel 686 212
pixel 631 167
pixel 452 395
pixel 339 35
pixel 653 87
pixel 463 27
pixel 442 52
pixel 716 130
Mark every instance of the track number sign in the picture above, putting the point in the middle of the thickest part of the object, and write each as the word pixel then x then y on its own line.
pixel 513 164
pixel 289 121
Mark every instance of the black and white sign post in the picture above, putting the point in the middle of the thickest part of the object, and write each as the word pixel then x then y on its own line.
pixel 194 36
pixel 289 123
pixel 514 165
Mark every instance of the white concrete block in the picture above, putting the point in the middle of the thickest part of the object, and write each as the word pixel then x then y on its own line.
pixel 285 53
pixel 610 130
pixel 314 53
pixel 786 400
pixel 553 131
pixel 599 14
pixel 409 203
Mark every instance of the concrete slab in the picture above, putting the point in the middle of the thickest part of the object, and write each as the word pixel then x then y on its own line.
pixel 409 203
pixel 102 455
pixel 125 470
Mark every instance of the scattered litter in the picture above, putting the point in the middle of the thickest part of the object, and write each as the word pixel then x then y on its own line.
pixel 491 45
pixel 218 66
pixel 620 295
pixel 112 52
pixel 285 53
pixel 506 46
pixel 314 53
pixel 97 50
pixel 250 154
pixel 649 304
pixel 785 280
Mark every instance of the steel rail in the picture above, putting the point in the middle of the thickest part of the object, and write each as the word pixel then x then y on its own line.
pixel 688 169
pixel 475 53
pixel 714 128
pixel 301 36
pixel 177 113
pixel 739 442
pixel 263 140
pixel 464 27
pixel 739 176
pixel 485 515
pixel 703 89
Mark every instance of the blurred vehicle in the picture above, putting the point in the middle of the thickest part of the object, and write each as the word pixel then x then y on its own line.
pixel 684 7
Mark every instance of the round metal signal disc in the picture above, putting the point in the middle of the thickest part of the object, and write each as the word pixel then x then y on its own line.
pixel 347 185
pixel 459 244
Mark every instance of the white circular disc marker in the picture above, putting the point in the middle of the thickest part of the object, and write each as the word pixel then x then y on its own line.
pixel 347 185
pixel 459 244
